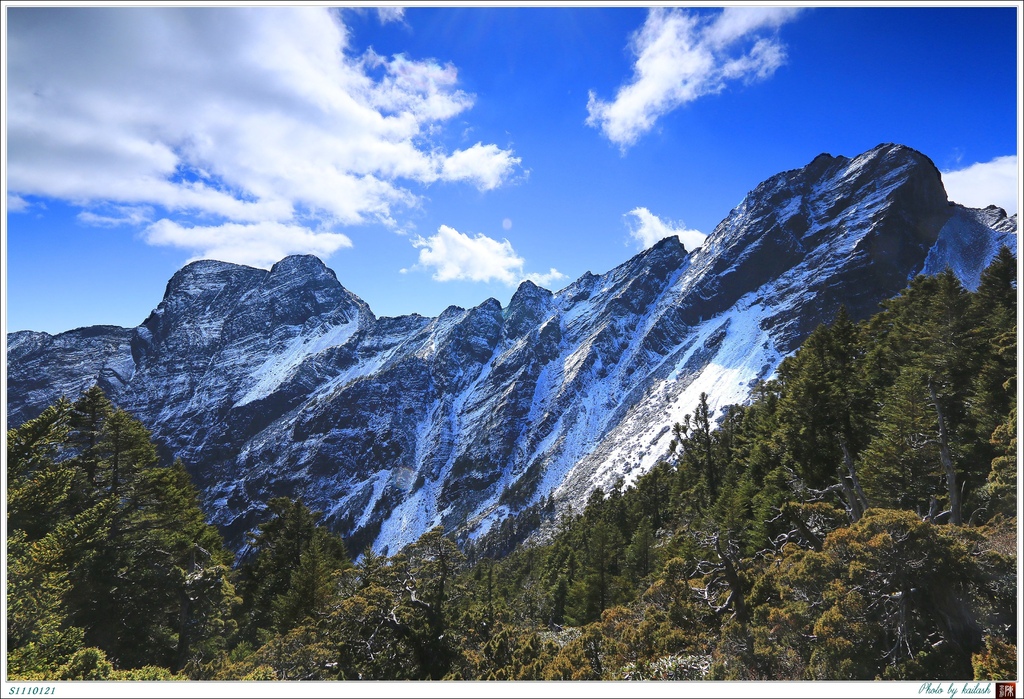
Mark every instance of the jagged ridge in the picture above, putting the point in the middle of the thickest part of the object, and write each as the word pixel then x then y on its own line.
pixel 283 382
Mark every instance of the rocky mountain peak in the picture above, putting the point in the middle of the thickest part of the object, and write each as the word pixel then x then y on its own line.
pixel 307 265
pixel 526 308
pixel 207 278
pixel 490 306
pixel 304 269
pixel 822 166
pixel 884 207
pixel 995 218
pixel 669 245
pixel 528 288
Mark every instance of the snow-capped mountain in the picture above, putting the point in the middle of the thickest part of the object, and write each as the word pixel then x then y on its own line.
pixel 282 382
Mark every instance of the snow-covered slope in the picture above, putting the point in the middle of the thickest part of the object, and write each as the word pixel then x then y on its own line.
pixel 284 383
pixel 969 240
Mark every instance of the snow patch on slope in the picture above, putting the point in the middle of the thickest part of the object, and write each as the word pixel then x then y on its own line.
pixel 968 243
pixel 739 352
pixel 278 367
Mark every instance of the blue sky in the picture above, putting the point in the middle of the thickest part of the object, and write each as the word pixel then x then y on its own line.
pixel 439 156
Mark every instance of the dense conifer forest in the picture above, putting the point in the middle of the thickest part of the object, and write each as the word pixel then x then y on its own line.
pixel 856 519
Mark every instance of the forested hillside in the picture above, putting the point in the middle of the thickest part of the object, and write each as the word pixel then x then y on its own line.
pixel 856 519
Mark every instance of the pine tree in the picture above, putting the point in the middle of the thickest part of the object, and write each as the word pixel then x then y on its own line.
pixel 39 638
pixel 312 587
pixel 640 552
pixel 594 588
pixel 820 411
pixel 698 469
pixel 945 350
pixel 169 529
pixel 89 414
pixel 39 485
pixel 994 386
pixel 1000 491
pixel 434 561
pixel 142 576
pixel 275 554
pixel 901 464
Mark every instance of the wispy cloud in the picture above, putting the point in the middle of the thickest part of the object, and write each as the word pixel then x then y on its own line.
pixel 647 229
pixel 681 57
pixel 16 204
pixel 545 279
pixel 256 244
pixel 981 184
pixel 257 118
pixel 456 256
pixel 119 216
pixel 390 13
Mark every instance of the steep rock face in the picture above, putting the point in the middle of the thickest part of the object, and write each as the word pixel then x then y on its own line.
pixel 284 383
pixel 861 224
pixel 43 367
pixel 839 231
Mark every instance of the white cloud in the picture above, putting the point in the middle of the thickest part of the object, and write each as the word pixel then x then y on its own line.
pixel 423 88
pixel 453 255
pixel 981 184
pixel 545 279
pixel 735 23
pixel 253 115
pixel 122 216
pixel 648 229
pixel 256 244
pixel 390 13
pixel 486 166
pixel 16 203
pixel 456 256
pixel 681 57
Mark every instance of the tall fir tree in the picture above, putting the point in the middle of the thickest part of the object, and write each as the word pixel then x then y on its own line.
pixel 274 555
pixel 901 463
